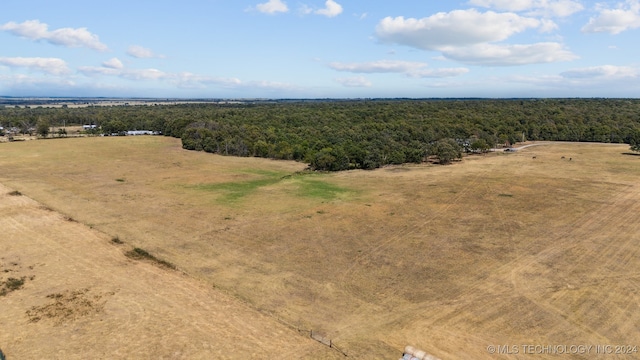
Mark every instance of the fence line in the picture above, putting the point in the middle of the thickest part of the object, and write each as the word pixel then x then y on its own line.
pixel 324 341
pixel 313 335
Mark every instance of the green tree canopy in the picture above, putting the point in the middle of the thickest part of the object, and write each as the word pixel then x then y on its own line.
pixel 446 150
pixel 42 127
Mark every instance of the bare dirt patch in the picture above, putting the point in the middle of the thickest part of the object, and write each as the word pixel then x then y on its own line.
pixel 68 306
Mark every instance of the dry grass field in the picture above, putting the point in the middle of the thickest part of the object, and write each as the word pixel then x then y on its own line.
pixel 502 249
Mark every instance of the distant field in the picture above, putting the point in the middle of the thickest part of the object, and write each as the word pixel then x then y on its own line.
pixel 502 249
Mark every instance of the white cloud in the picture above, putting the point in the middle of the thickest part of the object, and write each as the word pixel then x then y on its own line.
pixel 439 73
pixel 409 68
pixel 331 9
pixel 129 74
pixel 549 8
pixel 268 85
pixel 272 7
pixel 548 26
pixel 604 71
pixel 357 81
pixel 21 81
pixel 51 66
pixel 382 66
pixel 305 10
pixel 509 55
pixel 69 37
pixel 140 52
pixel 114 63
pixel 562 8
pixel 456 28
pixel 190 80
pixel 144 74
pixel 184 80
pixel 93 70
pixel 589 81
pixel 614 21
pixel 469 36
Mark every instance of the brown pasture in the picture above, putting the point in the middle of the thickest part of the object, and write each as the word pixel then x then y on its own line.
pixel 501 249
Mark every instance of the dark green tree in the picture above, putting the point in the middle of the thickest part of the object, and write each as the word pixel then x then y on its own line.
pixel 480 145
pixel 446 150
pixel 634 141
pixel 114 127
pixel 42 127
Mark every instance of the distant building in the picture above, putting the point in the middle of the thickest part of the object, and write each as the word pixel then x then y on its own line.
pixel 142 132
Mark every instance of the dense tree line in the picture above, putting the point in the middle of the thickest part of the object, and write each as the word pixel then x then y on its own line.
pixel 365 134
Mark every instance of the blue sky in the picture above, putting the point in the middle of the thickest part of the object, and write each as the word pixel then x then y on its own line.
pixel 320 48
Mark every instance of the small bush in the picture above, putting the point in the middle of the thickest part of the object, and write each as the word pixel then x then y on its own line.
pixel 138 254
pixel 141 254
pixel 116 240
pixel 15 193
pixel 12 284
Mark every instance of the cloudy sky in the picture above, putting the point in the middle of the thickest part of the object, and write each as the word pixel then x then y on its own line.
pixel 320 48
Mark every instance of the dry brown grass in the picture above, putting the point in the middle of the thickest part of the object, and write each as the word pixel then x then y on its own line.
pixel 498 249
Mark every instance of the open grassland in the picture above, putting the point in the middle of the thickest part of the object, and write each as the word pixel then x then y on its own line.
pixel 497 249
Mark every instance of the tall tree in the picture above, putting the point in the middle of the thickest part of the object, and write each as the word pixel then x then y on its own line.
pixel 446 150
pixel 42 127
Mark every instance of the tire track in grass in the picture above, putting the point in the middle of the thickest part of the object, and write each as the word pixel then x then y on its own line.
pixel 366 309
pixel 604 217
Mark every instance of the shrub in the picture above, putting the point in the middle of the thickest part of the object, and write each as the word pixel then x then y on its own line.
pixel 141 254
pixel 116 240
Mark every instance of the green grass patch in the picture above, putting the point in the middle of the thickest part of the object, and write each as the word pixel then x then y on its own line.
pixel 306 184
pixel 319 189
pixel 234 191
pixel 266 173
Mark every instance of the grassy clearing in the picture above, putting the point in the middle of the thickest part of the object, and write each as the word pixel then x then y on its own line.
pixel 234 191
pixel 307 185
pixel 319 189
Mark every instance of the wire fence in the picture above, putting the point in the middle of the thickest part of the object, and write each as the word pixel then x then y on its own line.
pixel 315 335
